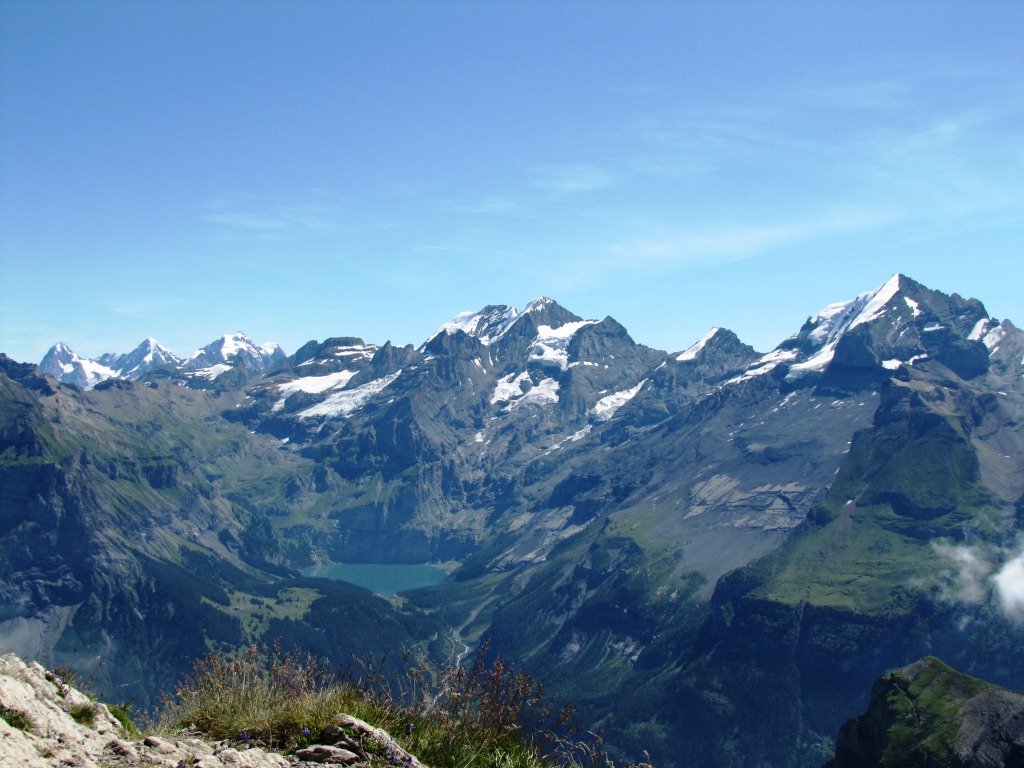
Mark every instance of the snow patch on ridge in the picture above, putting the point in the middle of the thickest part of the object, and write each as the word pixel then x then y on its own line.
pixel 876 301
pixel 994 337
pixel 606 407
pixel 692 352
pixel 817 362
pixel 765 364
pixel 364 352
pixel 575 437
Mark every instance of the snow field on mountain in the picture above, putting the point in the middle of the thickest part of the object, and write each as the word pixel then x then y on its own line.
pixel 347 402
pixel 312 385
pixel 543 393
pixel 551 344
pixel 509 387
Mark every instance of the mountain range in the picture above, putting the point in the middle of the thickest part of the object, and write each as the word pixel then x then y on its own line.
pixel 713 551
pixel 235 353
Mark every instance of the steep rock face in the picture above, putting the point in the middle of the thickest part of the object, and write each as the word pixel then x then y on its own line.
pixel 927 714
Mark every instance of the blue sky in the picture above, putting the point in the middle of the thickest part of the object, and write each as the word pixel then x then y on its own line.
pixel 299 170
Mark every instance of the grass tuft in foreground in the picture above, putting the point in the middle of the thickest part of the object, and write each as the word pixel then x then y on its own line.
pixel 488 715
pixel 16 719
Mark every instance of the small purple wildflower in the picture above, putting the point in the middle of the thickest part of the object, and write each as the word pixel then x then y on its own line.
pixel 305 731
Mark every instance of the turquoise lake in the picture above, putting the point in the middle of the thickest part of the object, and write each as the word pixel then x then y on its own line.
pixel 382 578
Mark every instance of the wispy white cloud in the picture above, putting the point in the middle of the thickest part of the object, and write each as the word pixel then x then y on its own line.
pixel 967 580
pixel 247 221
pixel 979 574
pixel 572 179
pixel 248 218
pixel 743 241
pixel 491 205
pixel 1009 584
pixel 869 94
pixel 543 187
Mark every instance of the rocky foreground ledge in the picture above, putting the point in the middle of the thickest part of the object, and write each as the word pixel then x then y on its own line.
pixel 45 723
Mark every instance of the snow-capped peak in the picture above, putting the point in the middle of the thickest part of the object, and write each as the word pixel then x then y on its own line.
pixel 148 355
pixel 63 364
pixel 692 352
pixel 232 344
pixel 488 325
pixel 494 321
pixel 538 305
pixel 836 319
pixel 235 350
pixel 60 359
pixel 829 325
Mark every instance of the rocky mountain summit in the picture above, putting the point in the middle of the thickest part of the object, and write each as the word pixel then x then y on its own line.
pixel 678 542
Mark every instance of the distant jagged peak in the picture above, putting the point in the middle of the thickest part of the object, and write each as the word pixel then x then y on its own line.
pixel 336 350
pixel 545 311
pixel 836 319
pixel 235 348
pixel 154 349
pixel 539 304
pixel 56 359
pixel 228 345
pixel 717 352
pixel 148 355
pixel 899 300
pixel 491 323
pixel 488 325
pixel 60 348
pixel 67 367
pixel 901 322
